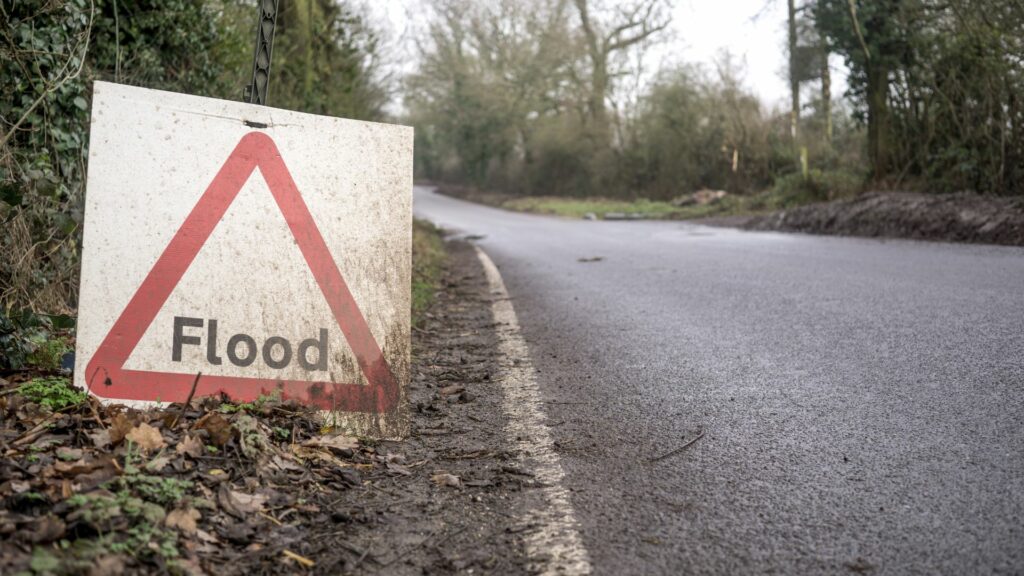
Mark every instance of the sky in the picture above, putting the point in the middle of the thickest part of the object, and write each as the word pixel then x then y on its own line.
pixel 754 31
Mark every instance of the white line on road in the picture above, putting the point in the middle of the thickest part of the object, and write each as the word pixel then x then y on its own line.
pixel 553 541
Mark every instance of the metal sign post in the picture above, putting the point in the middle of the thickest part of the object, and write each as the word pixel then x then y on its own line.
pixel 256 91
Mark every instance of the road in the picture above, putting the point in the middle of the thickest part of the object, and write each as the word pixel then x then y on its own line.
pixel 862 401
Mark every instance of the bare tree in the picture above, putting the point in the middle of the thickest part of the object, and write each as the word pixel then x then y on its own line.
pixel 630 24
pixel 794 78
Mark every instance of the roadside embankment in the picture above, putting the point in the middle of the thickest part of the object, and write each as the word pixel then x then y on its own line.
pixel 947 217
pixel 960 217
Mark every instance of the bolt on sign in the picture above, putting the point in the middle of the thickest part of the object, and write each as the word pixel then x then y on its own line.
pixel 267 250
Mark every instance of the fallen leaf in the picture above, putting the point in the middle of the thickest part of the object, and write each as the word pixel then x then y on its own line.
pixel 249 502
pixel 158 464
pixel 316 454
pixel 285 463
pixel 239 504
pixel 100 474
pixel 191 445
pixel 398 469
pixel 120 425
pixel 100 438
pixel 146 437
pixel 107 566
pixel 65 453
pixel 82 466
pixel 252 438
pixel 445 479
pixel 216 426
pixel 207 537
pixel 47 529
pixel 183 520
pixel 453 389
pixel 337 442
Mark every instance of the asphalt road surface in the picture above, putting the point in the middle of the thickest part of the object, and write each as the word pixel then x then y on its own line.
pixel 862 401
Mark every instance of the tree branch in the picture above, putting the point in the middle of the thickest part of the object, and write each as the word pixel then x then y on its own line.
pixel 67 77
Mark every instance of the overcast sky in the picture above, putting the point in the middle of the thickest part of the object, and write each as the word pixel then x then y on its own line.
pixel 754 31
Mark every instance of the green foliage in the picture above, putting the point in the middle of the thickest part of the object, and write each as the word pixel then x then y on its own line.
pixel 15 345
pixel 793 189
pixel 156 489
pixel 503 101
pixel 43 562
pixel 939 87
pixel 129 516
pixel 48 351
pixel 509 97
pixel 42 162
pixel 144 519
pixel 256 405
pixel 56 393
pixel 699 131
pixel 52 50
pixel 28 339
pixel 327 61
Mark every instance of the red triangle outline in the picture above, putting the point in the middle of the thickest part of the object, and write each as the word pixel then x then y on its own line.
pixel 105 373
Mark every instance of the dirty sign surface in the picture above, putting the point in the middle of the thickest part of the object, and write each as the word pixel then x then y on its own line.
pixel 268 250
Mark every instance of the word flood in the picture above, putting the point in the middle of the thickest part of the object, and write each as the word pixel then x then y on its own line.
pixel 277 351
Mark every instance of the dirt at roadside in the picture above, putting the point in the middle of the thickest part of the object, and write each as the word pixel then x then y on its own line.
pixel 457 423
pixel 222 489
pixel 948 217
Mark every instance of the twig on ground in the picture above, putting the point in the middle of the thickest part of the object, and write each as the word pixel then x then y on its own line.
pixel 677 450
pixel 31 435
pixel 306 562
pixel 188 401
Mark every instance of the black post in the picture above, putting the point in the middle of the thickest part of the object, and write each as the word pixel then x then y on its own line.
pixel 256 91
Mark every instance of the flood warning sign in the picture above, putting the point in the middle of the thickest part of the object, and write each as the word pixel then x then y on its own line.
pixel 264 249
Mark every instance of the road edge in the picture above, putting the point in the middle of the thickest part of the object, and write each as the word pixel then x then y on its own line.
pixel 551 531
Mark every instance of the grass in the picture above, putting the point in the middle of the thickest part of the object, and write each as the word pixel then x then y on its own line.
pixel 428 257
pixel 789 191
pixel 579 207
pixel 652 209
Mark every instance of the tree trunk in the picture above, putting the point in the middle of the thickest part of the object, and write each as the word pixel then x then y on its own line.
pixel 878 118
pixel 598 91
pixel 826 95
pixel 794 81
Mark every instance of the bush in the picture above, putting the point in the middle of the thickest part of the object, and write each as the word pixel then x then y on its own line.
pixel 819 186
pixel 15 346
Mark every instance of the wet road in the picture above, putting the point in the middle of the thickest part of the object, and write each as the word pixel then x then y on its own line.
pixel 862 401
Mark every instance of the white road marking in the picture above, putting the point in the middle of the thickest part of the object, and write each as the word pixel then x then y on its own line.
pixel 553 541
